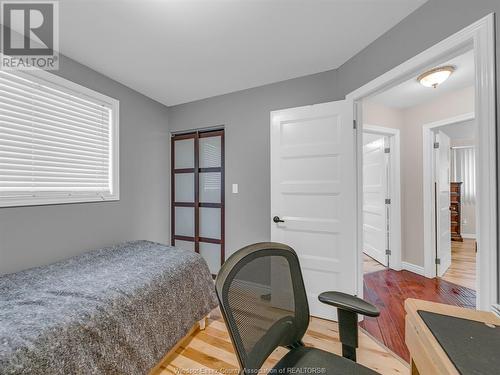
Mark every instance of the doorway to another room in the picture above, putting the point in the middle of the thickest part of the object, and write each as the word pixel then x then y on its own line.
pixel 381 198
pixel 423 253
pixel 450 223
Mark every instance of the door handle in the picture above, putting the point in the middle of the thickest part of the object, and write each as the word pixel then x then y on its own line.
pixel 277 219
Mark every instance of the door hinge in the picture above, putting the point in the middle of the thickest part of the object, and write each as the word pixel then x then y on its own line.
pixel 436 144
pixel 354 124
pixel 388 252
pixel 387 200
pixel 387 150
pixel 438 261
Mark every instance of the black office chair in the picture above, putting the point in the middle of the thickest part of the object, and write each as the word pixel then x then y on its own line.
pixel 264 304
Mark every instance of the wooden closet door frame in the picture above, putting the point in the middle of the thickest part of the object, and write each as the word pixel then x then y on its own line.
pixel 196 170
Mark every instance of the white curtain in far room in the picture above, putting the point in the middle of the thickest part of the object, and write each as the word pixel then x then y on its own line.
pixel 464 170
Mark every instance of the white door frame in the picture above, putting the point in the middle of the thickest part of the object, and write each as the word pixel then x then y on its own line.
pixel 428 190
pixel 395 191
pixel 480 37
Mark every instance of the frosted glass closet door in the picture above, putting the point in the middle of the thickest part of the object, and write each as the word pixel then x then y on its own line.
pixel 210 190
pixel 184 187
pixel 198 194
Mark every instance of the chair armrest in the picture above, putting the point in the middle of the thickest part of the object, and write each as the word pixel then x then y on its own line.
pixel 350 303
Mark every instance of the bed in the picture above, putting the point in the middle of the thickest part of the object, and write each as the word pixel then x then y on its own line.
pixel 116 310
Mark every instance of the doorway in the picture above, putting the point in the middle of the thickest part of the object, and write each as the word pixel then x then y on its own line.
pixel 476 41
pixel 434 267
pixel 478 38
pixel 450 199
pixel 381 198
pixel 427 121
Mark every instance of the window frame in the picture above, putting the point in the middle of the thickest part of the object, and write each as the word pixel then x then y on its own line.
pixel 59 83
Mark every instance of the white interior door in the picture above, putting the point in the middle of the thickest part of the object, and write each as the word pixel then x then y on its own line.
pixel 313 190
pixel 443 203
pixel 375 185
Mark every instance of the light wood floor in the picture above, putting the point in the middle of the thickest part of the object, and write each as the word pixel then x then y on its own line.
pixel 463 264
pixel 210 351
pixel 371 265
pixel 461 272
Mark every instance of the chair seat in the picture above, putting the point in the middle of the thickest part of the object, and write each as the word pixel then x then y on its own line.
pixel 317 361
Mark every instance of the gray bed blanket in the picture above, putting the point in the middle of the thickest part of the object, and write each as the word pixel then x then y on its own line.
pixel 116 310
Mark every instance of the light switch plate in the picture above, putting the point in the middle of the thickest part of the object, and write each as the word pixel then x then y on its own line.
pixel 235 188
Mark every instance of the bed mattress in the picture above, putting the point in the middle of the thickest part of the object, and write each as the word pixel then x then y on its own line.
pixel 116 310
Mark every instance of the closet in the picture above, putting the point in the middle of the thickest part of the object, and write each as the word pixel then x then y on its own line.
pixel 197 186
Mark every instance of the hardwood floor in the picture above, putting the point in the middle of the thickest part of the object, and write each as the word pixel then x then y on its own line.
pixel 463 264
pixel 210 351
pixel 388 289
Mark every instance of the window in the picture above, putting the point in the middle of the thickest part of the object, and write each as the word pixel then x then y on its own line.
pixel 58 141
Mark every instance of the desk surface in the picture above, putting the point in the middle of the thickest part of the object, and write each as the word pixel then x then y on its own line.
pixel 427 354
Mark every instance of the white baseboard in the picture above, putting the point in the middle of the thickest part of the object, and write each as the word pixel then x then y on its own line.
pixel 419 270
pixel 496 310
pixel 470 236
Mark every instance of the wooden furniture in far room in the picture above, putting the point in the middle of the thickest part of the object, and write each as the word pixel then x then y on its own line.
pixel 443 349
pixel 456 210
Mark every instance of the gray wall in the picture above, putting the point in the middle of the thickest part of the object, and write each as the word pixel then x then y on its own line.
pixel 31 236
pixel 246 114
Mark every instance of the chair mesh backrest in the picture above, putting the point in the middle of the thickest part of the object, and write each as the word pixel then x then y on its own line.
pixel 263 300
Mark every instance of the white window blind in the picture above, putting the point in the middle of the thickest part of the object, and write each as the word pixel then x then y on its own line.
pixel 56 143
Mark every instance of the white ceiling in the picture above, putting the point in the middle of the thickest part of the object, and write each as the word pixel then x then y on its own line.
pixel 412 93
pixel 176 51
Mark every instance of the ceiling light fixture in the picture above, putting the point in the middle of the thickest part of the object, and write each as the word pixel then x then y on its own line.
pixel 436 76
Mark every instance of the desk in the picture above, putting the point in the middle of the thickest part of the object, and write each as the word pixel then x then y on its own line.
pixel 427 355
